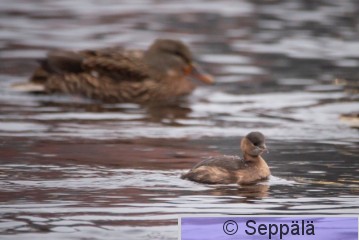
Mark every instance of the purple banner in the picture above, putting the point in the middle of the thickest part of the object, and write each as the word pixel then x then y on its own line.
pixel 268 228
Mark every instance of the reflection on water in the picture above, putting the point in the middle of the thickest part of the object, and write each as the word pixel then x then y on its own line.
pixel 75 168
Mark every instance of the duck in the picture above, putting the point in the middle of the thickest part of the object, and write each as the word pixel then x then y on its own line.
pixel 226 169
pixel 162 73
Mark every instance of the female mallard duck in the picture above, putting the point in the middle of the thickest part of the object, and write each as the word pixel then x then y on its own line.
pixel 160 74
pixel 233 169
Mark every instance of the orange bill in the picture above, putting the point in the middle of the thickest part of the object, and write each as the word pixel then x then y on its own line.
pixel 198 73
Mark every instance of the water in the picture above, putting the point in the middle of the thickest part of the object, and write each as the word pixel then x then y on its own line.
pixel 78 169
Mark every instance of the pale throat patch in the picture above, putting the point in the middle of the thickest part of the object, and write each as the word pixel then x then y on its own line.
pixel 172 73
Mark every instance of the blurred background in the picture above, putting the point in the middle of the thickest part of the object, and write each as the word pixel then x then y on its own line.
pixel 75 168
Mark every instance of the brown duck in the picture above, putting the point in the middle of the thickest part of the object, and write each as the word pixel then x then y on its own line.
pixel 233 169
pixel 160 74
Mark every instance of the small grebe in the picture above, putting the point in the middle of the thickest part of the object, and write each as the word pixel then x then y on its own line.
pixel 233 169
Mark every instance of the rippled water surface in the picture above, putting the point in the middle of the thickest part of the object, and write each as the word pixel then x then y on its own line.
pixel 72 168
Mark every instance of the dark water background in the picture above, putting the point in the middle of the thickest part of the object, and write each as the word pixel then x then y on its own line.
pixel 71 168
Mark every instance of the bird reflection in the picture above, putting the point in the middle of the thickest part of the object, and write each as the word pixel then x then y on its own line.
pixel 248 192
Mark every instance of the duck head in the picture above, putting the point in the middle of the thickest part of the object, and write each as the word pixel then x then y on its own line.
pixel 253 145
pixel 173 56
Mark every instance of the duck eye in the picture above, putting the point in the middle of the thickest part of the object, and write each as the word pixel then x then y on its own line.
pixel 179 54
pixel 183 56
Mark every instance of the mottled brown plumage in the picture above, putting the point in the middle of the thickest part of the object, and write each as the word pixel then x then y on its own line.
pixel 233 169
pixel 160 74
